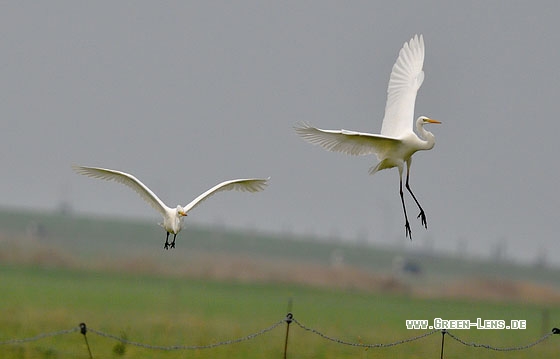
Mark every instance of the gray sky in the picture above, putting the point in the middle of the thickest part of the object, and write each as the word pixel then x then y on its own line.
pixel 187 94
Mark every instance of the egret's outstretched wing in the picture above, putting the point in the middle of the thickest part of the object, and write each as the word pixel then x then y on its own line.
pixel 349 142
pixel 406 78
pixel 126 179
pixel 245 185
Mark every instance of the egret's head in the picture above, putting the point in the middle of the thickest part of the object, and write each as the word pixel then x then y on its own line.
pixel 181 211
pixel 424 120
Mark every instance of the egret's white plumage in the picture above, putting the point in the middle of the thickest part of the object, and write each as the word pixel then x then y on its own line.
pixel 397 142
pixel 172 217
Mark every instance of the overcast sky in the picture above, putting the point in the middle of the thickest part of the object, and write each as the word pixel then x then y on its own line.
pixel 186 94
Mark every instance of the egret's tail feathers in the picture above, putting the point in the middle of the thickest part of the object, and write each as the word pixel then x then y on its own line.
pixel 374 169
pixel 383 165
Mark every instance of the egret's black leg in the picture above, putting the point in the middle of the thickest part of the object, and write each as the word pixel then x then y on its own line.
pixel 422 215
pixel 166 245
pixel 173 243
pixel 408 232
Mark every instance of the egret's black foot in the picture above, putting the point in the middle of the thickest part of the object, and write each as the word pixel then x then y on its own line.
pixel 173 243
pixel 422 217
pixel 166 245
pixel 408 232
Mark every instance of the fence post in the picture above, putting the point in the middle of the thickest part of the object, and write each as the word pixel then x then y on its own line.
pixel 83 330
pixel 443 332
pixel 289 319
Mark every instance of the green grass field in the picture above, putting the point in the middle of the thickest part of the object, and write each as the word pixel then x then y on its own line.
pixel 217 286
pixel 172 311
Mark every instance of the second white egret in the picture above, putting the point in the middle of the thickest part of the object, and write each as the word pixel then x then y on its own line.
pixel 172 217
pixel 397 142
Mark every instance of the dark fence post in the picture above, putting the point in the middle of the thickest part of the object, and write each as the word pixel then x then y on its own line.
pixel 289 319
pixel 443 332
pixel 83 330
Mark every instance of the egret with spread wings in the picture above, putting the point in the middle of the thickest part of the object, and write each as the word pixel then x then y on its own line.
pixel 397 142
pixel 172 217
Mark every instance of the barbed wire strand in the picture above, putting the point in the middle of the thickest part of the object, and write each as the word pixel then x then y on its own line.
pixel 502 349
pixel 288 320
pixel 39 336
pixel 187 347
pixel 353 344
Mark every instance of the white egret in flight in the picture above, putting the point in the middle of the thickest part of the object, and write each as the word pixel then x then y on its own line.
pixel 172 217
pixel 397 142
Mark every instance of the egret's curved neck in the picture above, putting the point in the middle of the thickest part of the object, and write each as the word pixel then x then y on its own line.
pixel 427 137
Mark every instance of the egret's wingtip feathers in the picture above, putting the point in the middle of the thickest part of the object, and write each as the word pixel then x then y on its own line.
pixel 254 185
pixel 302 127
pixel 83 170
pixel 419 39
pixel 95 172
pixel 77 168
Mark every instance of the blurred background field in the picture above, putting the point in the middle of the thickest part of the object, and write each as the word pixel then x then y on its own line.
pixel 58 270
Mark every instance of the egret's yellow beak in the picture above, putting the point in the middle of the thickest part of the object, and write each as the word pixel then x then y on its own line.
pixel 183 213
pixel 429 120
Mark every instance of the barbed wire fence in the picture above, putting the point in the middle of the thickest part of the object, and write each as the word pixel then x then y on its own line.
pixel 288 320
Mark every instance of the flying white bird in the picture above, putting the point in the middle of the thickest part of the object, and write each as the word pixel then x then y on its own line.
pixel 397 142
pixel 172 217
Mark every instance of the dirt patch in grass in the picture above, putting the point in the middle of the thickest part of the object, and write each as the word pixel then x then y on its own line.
pixel 501 290
pixel 247 269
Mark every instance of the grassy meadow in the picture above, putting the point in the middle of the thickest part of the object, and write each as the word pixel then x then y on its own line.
pixel 217 287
